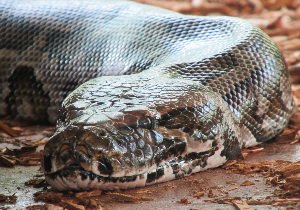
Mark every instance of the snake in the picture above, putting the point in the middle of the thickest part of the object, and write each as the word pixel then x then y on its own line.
pixel 139 94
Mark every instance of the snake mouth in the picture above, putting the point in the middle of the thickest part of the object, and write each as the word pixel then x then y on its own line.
pixel 74 177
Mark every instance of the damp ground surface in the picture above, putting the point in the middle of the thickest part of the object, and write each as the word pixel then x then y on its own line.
pixel 268 177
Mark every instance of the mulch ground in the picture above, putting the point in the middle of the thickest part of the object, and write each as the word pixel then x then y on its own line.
pixel 21 144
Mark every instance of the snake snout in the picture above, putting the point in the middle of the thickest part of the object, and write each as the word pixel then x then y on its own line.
pixel 84 148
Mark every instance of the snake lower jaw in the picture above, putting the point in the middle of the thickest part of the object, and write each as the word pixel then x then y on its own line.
pixel 76 178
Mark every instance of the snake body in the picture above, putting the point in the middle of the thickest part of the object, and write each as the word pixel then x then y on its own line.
pixel 148 95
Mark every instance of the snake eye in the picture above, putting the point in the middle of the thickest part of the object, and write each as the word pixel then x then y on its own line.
pixel 147 122
pixel 105 166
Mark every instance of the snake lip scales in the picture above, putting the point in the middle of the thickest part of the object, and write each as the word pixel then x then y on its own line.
pixel 141 95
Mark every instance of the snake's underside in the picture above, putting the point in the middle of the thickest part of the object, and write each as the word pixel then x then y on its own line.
pixel 171 95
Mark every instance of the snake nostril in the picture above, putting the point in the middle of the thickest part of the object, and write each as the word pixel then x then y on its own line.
pixel 102 133
pixel 47 162
pixel 187 129
pixel 65 156
pixel 105 166
pixel 64 153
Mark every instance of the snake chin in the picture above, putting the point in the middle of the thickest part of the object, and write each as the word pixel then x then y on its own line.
pixel 74 177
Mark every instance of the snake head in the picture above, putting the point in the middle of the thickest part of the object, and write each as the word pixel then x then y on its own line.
pixel 112 148
pixel 124 134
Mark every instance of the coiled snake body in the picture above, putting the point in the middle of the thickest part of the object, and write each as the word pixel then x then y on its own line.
pixel 172 94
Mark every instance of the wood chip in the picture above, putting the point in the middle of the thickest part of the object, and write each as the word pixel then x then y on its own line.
pixel 295 141
pixel 48 196
pixel 210 194
pixel 184 201
pixel 87 194
pixel 247 183
pixel 290 169
pixel 8 199
pixel 274 202
pixel 8 130
pixel 89 203
pixel 124 198
pixel 53 207
pixel 36 183
pixel 241 205
pixel 198 194
pixel 41 207
pixel 7 161
pixel 260 202
pixel 71 204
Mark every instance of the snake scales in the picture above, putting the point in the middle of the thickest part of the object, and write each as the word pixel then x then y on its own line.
pixel 172 94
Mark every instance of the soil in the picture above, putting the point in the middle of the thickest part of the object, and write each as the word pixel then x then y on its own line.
pixel 268 176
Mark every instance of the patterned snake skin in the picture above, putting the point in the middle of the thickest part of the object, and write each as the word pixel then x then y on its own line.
pixel 171 95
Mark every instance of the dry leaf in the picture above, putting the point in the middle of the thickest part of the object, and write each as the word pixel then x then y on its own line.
pixel 8 198
pixel 87 194
pixel 241 205
pixel 198 194
pixel 247 183
pixel 184 201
